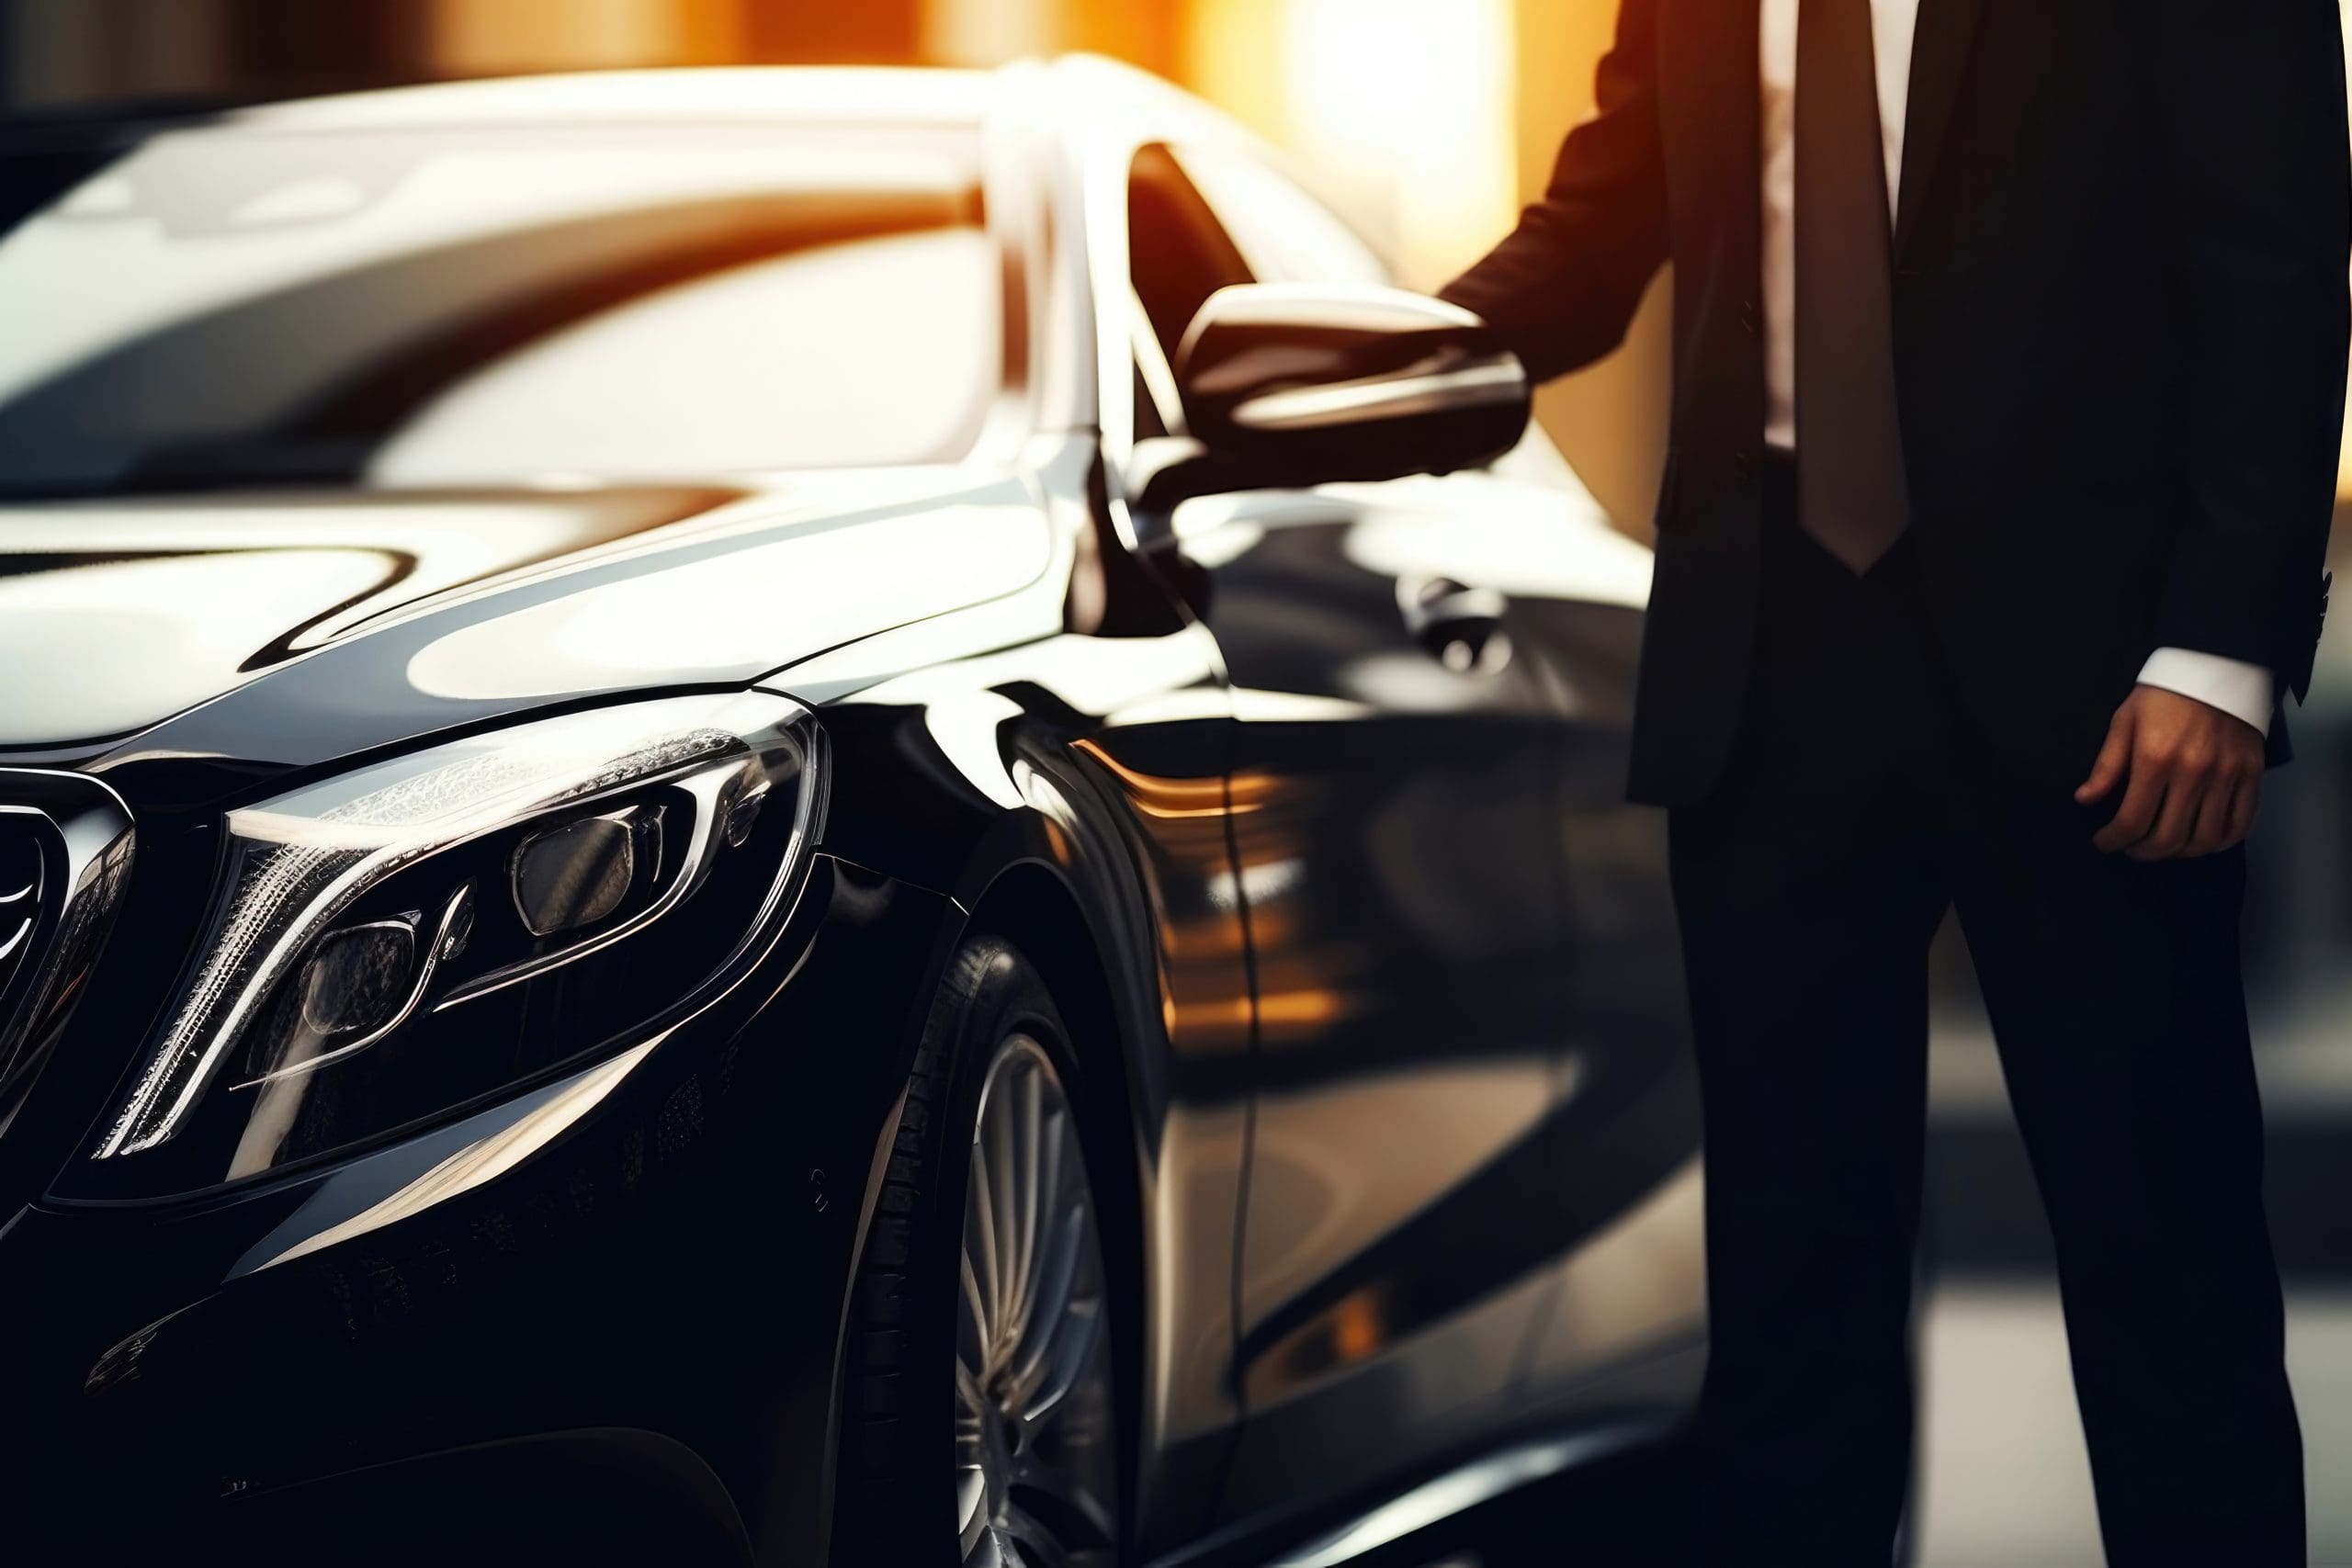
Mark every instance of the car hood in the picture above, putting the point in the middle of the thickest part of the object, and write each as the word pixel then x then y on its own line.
pixel 126 613
pixel 282 630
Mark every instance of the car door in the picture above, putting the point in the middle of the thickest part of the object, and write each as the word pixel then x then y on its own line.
pixel 1621 1324
pixel 1392 780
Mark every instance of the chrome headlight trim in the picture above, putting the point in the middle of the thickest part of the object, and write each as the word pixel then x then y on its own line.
pixel 296 862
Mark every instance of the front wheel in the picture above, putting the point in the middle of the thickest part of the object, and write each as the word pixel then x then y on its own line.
pixel 980 1418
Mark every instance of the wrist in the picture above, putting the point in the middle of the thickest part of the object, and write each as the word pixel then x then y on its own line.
pixel 2245 691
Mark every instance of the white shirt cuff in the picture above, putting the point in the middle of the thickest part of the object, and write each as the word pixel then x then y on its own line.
pixel 2243 691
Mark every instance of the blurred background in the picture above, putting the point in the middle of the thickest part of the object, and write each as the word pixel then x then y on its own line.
pixel 1433 119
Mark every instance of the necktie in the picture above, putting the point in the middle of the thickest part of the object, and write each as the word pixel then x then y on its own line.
pixel 1850 490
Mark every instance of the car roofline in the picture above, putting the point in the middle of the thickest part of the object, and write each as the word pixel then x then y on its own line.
pixel 913 96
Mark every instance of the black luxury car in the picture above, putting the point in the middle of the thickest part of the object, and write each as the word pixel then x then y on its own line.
pixel 797 816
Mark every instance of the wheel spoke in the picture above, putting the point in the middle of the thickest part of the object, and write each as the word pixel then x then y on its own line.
pixel 971 1504
pixel 1033 1541
pixel 1072 1358
pixel 971 1326
pixel 1042 1292
pixel 981 1213
pixel 1055 1200
pixel 1005 1224
pixel 972 1403
pixel 1034 1196
pixel 1058 1304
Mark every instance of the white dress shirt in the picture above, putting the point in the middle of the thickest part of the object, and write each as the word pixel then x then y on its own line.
pixel 2239 689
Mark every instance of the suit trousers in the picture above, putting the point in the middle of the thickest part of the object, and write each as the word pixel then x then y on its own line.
pixel 1857 808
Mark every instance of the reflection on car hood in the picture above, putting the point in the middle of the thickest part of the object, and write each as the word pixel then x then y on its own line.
pixel 286 630
pixel 123 614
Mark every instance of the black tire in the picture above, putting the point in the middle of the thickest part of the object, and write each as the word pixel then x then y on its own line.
pixel 904 1434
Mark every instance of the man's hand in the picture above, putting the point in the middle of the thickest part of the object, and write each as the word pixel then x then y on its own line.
pixel 2195 777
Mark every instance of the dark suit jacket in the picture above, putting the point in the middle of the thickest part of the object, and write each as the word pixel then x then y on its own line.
pixel 2120 327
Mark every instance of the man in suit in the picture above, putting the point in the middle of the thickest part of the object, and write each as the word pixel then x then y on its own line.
pixel 2009 371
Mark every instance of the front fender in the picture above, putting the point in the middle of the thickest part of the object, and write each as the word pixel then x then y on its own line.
pixel 1070 791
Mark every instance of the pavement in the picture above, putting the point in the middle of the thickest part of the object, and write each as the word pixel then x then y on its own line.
pixel 2005 1478
pixel 2006 1481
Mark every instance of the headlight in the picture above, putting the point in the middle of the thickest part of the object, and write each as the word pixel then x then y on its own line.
pixel 396 943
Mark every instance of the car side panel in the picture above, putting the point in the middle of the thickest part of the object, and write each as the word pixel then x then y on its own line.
pixel 1001 744
pixel 1390 819
pixel 1471 1181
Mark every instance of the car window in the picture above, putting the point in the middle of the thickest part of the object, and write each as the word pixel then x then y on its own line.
pixel 1285 234
pixel 1160 408
pixel 1178 255
pixel 868 351
pixel 241 303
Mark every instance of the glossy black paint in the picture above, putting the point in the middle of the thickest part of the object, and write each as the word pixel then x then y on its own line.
pixel 1306 802
pixel 1460 940
pixel 120 604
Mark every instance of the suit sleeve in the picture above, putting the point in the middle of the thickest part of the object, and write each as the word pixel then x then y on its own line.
pixel 1563 285
pixel 2250 105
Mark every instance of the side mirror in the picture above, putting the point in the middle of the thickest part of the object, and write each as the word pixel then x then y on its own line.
pixel 1298 384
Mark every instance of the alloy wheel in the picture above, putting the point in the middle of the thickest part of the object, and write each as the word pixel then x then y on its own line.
pixel 1035 1459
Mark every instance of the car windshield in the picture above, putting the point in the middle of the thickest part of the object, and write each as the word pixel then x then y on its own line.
pixel 239 303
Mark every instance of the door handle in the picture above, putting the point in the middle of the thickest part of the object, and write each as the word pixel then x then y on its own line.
pixel 1458 626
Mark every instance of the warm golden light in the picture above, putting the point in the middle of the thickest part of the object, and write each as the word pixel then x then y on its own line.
pixel 1305 1009
pixel 987 32
pixel 1406 110
pixel 471 36
pixel 1162 797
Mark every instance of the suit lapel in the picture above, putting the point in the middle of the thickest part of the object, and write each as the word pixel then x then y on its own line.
pixel 1939 63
